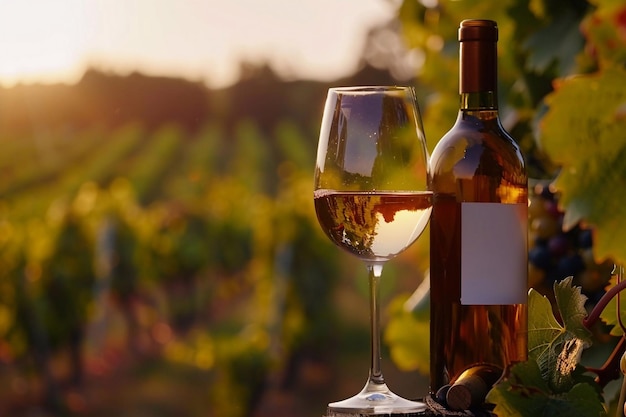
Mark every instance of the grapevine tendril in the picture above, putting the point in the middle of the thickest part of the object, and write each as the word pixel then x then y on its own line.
pixel 593 317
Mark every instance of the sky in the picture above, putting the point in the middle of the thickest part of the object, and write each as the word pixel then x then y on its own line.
pixel 52 41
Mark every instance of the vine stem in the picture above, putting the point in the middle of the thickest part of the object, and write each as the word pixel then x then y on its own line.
pixel 593 317
pixel 622 399
pixel 610 369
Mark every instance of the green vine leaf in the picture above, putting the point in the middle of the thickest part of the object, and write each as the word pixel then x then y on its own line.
pixel 525 394
pixel 584 133
pixel 557 348
pixel 559 42
pixel 571 305
pixel 543 329
pixel 551 382
pixel 604 31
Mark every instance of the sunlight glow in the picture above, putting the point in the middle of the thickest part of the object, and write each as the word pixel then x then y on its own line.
pixel 43 41
pixel 40 41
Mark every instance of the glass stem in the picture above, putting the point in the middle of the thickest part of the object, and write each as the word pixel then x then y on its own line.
pixel 376 373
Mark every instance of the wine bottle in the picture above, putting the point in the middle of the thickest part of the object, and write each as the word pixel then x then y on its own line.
pixel 478 247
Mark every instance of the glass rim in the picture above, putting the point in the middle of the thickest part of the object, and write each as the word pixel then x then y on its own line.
pixel 370 88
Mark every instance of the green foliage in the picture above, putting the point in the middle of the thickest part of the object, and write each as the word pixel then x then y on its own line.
pixel 557 348
pixel 251 159
pixel 604 31
pixel 294 146
pixel 199 163
pixel 241 379
pixel 408 336
pixel 593 165
pixel 169 231
pixel 583 132
pixel 150 166
pixel 551 382
pixel 525 393
pixel 67 281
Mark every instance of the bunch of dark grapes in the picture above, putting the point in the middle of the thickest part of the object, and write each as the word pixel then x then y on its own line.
pixel 554 253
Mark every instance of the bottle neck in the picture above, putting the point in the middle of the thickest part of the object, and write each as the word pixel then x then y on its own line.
pixel 478 78
pixel 478 75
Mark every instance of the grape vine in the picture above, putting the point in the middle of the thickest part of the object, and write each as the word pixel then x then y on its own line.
pixel 168 231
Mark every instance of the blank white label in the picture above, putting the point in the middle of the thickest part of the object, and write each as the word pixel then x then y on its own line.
pixel 494 260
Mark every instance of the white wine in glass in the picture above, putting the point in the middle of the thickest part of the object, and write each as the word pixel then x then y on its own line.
pixel 372 198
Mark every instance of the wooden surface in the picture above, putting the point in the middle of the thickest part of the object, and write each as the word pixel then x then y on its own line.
pixel 433 410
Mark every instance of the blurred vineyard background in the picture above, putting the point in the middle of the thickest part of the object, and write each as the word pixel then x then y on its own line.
pixel 159 252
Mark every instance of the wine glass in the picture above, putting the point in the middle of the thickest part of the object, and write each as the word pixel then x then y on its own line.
pixel 372 199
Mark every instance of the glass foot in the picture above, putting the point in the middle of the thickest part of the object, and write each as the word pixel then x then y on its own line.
pixel 376 399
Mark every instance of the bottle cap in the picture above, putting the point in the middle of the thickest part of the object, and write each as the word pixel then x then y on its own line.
pixel 478 30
